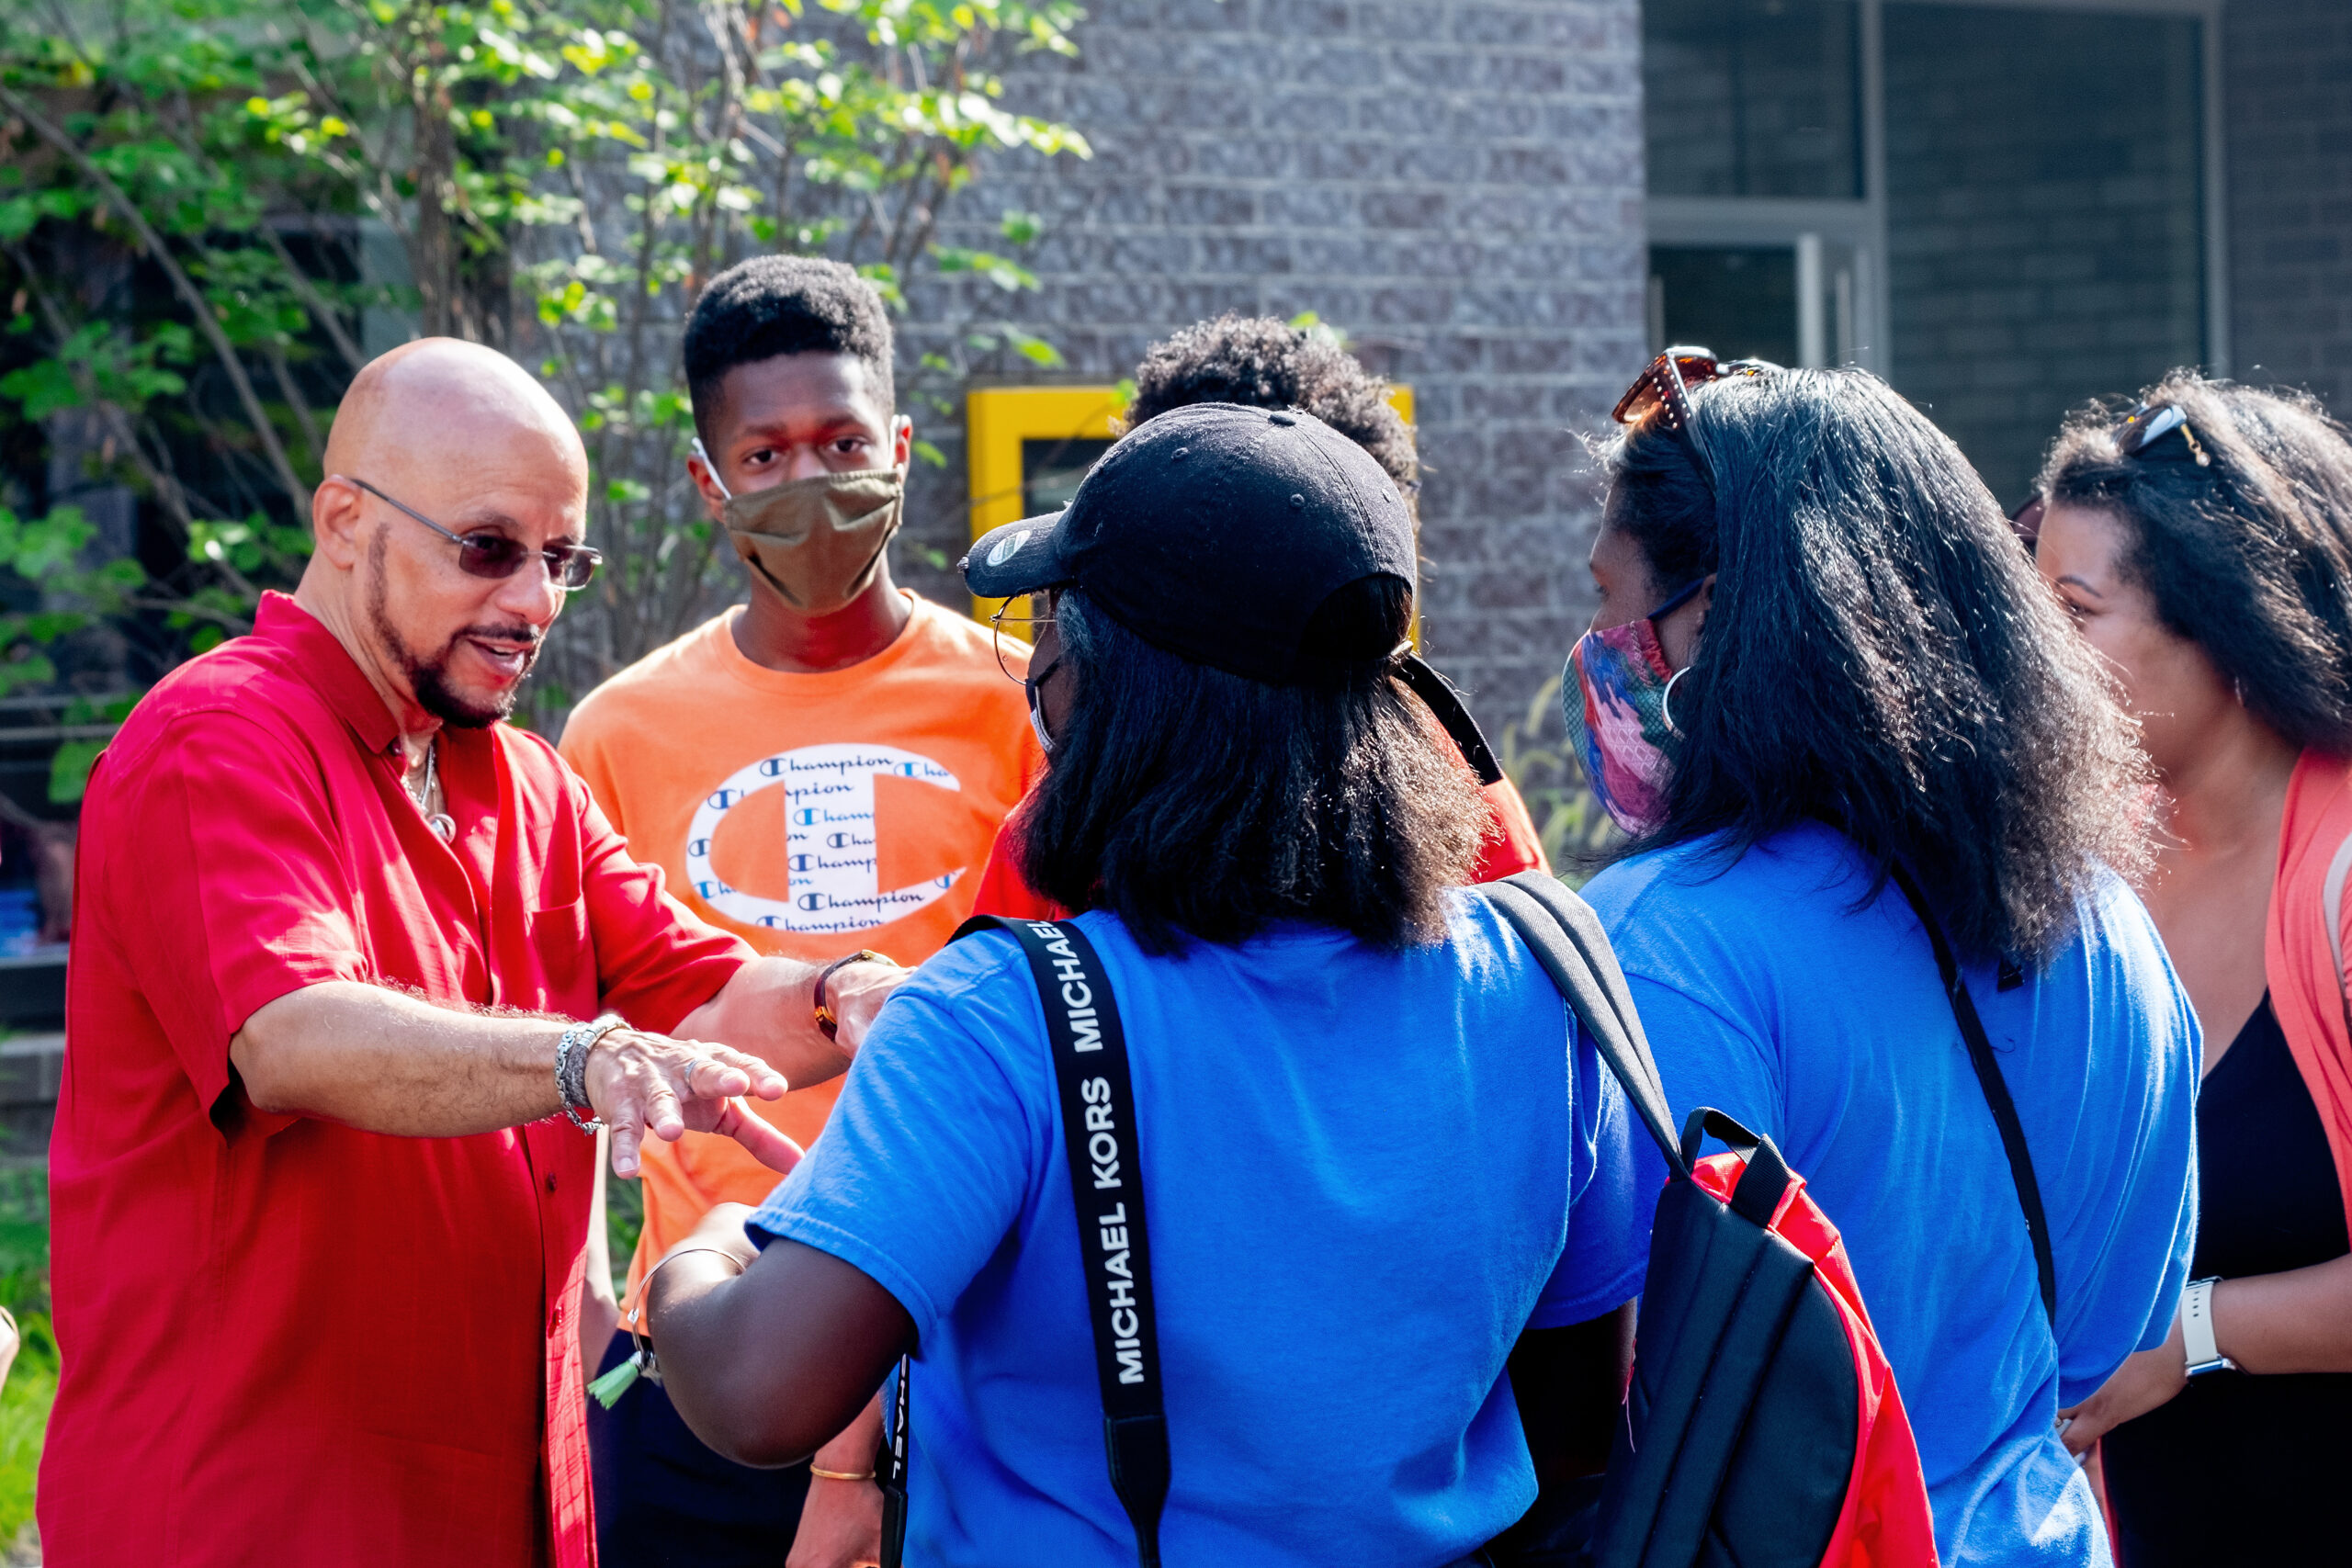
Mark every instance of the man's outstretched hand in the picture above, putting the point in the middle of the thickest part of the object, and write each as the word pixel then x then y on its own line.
pixel 642 1083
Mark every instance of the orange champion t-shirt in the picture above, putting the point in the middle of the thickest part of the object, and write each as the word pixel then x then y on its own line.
pixel 812 814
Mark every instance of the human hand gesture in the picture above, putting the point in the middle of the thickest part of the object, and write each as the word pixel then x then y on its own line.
pixel 640 1082
pixel 2146 1380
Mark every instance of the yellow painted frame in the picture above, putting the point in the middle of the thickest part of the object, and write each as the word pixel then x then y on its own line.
pixel 997 420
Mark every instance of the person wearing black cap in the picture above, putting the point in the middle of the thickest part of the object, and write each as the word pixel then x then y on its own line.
pixel 1380 1164
pixel 1265 362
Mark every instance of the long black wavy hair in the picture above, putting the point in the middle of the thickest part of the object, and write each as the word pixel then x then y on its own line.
pixel 2249 554
pixel 1198 803
pixel 1878 655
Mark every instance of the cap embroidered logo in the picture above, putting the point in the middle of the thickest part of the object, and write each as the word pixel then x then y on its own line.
pixel 1007 549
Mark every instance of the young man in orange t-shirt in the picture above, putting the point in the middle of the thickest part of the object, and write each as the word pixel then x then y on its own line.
pixel 821 770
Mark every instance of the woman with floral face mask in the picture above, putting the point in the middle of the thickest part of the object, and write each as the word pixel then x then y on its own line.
pixel 1824 672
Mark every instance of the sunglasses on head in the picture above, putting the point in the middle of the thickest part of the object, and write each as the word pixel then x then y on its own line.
pixel 494 555
pixel 1663 391
pixel 2149 423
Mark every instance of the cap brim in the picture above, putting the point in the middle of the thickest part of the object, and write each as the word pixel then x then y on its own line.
pixel 1017 558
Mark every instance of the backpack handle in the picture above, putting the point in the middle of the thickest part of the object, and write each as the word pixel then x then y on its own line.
pixel 1767 1177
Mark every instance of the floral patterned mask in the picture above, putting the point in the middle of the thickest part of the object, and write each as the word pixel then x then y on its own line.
pixel 1613 698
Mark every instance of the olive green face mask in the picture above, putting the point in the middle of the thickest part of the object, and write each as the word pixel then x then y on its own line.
pixel 818 541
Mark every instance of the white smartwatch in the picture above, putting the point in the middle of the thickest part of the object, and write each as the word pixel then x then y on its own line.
pixel 2197 1330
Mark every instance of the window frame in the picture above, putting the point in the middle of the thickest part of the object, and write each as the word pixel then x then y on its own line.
pixel 1809 226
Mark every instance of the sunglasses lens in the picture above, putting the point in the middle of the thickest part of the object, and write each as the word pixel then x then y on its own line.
pixel 489 555
pixel 1636 405
pixel 2143 425
pixel 576 566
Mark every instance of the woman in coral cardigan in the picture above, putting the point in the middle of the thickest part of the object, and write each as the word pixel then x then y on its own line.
pixel 2204 545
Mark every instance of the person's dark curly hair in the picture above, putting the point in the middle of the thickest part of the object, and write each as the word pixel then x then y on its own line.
pixel 1264 362
pixel 771 305
pixel 2248 555
pixel 1878 654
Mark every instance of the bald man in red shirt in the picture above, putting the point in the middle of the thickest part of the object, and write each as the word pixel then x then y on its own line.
pixel 318 1184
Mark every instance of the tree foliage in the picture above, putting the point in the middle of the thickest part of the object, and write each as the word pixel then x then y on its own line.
pixel 212 211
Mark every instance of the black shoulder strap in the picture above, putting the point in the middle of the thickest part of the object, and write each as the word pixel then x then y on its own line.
pixel 1098 1132
pixel 1564 935
pixel 1996 1093
pixel 893 1479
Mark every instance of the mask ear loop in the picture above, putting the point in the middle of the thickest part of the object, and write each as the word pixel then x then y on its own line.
pixel 704 452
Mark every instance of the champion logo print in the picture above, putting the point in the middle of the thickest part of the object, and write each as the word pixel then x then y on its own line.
pixel 830 841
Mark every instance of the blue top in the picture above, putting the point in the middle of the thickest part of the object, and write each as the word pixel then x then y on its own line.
pixel 1367 1173
pixel 1768 993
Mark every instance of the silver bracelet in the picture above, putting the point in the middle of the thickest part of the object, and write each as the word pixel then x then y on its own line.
pixel 571 1069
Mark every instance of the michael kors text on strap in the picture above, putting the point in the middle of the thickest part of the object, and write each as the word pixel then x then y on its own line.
pixel 1099 1136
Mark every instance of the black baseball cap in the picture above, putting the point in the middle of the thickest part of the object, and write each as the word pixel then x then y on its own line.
pixel 1217 532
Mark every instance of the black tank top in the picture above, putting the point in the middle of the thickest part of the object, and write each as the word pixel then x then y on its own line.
pixel 2241 1469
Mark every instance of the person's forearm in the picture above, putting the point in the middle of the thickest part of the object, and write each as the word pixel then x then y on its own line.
pixel 385 1061
pixel 389 1062
pixel 858 1448
pixel 2300 1321
pixel 768 1010
pixel 770 1365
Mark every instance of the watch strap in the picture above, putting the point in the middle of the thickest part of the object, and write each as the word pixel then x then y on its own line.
pixel 828 1024
pixel 2203 1354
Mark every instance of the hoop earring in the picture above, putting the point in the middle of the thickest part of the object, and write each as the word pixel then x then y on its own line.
pixel 1666 699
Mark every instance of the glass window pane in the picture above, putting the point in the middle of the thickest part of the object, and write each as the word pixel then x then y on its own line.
pixel 2044 216
pixel 1050 471
pixel 1740 300
pixel 1752 97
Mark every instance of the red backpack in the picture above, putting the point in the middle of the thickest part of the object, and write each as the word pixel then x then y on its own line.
pixel 1763 1429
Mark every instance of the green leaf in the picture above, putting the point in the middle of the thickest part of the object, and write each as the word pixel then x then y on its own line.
pixel 44 387
pixel 1035 350
pixel 30 670
pixel 68 769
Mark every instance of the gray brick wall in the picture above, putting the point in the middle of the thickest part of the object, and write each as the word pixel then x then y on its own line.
pixel 2287 103
pixel 1455 184
pixel 2044 229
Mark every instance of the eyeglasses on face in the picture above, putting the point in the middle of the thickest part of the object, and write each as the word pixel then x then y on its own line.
pixel 1018 620
pixel 492 555
pixel 1663 391
pixel 2149 423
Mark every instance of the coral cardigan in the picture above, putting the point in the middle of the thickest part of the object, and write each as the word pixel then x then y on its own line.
pixel 2307 945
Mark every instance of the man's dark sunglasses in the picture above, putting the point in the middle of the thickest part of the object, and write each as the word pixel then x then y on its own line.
pixel 1664 388
pixel 2149 423
pixel 495 555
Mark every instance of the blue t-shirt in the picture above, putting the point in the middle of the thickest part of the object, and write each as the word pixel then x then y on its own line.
pixel 1367 1173
pixel 1768 993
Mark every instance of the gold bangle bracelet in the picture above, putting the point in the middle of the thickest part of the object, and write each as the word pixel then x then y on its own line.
pixel 841 1475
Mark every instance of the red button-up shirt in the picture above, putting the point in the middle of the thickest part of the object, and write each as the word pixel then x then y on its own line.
pixel 286 1340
